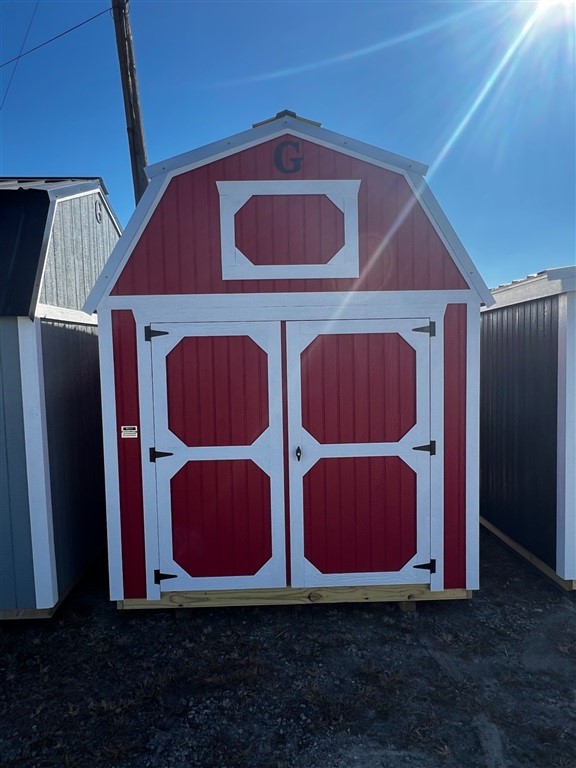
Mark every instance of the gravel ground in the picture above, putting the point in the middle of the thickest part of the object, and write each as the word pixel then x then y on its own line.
pixel 485 683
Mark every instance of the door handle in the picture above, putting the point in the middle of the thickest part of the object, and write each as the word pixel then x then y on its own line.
pixel 298 453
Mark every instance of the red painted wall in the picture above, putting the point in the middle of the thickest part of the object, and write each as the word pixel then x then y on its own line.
pixel 129 462
pixel 179 250
pixel 455 446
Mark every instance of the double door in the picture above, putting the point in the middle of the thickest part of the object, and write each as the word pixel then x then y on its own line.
pixel 292 453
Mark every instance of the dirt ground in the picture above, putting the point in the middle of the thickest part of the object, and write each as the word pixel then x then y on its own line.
pixel 485 683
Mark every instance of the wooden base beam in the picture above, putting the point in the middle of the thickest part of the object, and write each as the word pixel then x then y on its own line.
pixel 567 584
pixel 295 596
pixel 28 613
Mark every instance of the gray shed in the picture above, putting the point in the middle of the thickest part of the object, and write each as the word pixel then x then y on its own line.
pixel 55 236
pixel 528 420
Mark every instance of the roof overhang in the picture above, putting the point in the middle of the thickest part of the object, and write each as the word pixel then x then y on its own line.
pixel 160 174
pixel 549 282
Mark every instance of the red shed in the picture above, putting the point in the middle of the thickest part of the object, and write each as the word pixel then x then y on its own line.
pixel 289 335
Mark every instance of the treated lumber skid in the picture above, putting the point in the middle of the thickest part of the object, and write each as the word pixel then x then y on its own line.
pixel 295 596
pixel 568 584
pixel 28 613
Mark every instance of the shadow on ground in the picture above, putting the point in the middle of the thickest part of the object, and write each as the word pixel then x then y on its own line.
pixel 486 683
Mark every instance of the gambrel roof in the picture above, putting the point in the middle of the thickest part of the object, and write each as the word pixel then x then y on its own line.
pixel 161 174
pixel 27 210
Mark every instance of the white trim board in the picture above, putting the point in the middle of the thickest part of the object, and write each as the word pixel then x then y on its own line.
pixel 64 315
pixel 566 451
pixel 161 174
pixel 237 266
pixel 37 463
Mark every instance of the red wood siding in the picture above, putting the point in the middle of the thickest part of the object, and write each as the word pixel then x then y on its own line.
pixel 217 390
pixel 360 514
pixel 298 229
pixel 129 461
pixel 358 388
pixel 455 446
pixel 221 518
pixel 179 250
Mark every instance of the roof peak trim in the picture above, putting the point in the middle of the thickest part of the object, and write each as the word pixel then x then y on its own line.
pixel 276 127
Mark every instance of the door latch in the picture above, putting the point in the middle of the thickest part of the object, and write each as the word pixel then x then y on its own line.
pixel 298 453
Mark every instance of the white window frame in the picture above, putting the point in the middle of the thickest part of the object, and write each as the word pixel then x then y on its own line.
pixel 236 266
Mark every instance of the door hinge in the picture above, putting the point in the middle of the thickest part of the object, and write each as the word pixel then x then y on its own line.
pixel 431 448
pixel 431 566
pixel 149 333
pixel 431 329
pixel 154 454
pixel 159 576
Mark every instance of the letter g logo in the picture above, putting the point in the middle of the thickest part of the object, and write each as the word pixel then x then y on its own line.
pixel 294 162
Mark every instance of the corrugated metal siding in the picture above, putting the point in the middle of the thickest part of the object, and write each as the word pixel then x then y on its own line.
pixel 73 419
pixel 79 248
pixel 455 326
pixel 16 565
pixel 129 460
pixel 519 353
pixel 179 251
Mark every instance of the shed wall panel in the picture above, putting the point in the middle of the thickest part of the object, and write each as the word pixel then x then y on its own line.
pixel 74 427
pixel 519 351
pixel 455 329
pixel 179 250
pixel 129 454
pixel 16 566
pixel 78 250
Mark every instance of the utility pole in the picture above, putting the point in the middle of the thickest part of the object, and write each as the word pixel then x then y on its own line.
pixel 134 127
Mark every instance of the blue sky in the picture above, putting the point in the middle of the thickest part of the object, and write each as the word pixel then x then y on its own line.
pixel 483 92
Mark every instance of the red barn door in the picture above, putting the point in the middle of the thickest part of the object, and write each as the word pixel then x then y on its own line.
pixel 359 425
pixel 218 421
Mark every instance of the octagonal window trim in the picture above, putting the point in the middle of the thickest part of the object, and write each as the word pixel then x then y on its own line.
pixel 343 193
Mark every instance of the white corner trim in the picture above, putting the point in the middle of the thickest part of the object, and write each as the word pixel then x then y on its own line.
pixel 111 468
pixel 37 463
pixel 64 315
pixel 566 452
pixel 233 196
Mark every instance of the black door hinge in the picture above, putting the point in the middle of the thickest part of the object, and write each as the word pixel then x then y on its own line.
pixel 149 333
pixel 431 448
pixel 154 454
pixel 158 576
pixel 431 566
pixel 431 329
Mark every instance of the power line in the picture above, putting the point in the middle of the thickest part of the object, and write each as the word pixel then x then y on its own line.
pixel 19 55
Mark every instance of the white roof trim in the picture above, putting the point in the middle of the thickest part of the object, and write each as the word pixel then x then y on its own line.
pixel 550 282
pixel 274 128
pixel 161 174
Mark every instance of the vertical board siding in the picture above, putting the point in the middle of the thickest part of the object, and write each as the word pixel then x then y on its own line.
pixel 455 446
pixel 360 514
pixel 74 430
pixel 129 461
pixel 179 250
pixel 358 388
pixel 78 250
pixel 289 229
pixel 518 412
pixel 17 589
pixel 221 518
